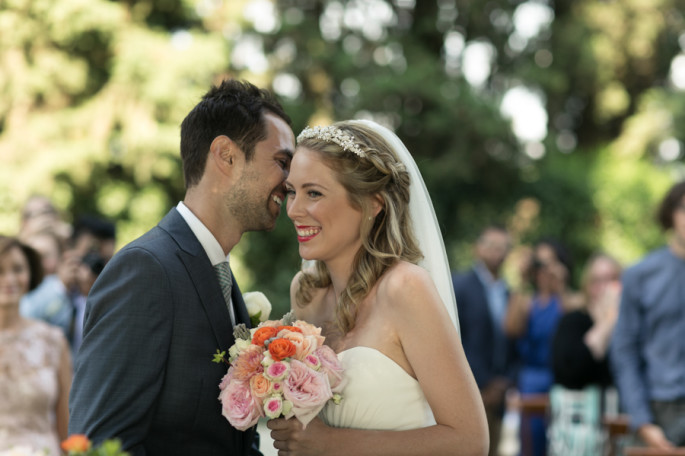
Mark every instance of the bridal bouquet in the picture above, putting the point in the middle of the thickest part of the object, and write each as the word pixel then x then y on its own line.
pixel 281 368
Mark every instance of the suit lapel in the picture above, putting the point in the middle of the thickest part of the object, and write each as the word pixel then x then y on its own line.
pixel 202 275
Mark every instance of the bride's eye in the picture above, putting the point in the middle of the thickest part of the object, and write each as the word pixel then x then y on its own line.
pixel 313 194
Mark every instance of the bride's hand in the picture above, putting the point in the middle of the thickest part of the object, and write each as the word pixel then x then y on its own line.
pixel 290 439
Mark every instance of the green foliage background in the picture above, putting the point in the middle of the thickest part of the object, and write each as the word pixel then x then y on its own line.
pixel 92 93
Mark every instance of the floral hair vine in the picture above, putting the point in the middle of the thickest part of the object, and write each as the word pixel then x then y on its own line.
pixel 332 134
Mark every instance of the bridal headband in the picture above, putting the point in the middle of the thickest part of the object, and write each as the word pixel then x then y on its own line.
pixel 332 134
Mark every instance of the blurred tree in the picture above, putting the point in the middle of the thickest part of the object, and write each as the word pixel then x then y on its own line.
pixel 93 92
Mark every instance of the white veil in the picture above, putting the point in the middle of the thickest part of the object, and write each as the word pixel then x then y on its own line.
pixel 424 221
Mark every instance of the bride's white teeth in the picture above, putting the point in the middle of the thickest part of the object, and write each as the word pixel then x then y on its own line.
pixel 307 232
pixel 276 199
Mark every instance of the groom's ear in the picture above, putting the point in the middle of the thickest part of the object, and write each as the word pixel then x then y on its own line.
pixel 225 154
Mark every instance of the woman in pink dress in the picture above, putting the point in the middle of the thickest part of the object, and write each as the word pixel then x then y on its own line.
pixel 35 364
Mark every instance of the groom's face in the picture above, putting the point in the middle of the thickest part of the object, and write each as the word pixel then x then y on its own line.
pixel 258 195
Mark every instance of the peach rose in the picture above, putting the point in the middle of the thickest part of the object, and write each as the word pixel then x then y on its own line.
pixel 260 386
pixel 304 345
pixel 289 328
pixel 310 330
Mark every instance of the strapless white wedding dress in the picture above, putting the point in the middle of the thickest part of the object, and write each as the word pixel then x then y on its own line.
pixel 379 395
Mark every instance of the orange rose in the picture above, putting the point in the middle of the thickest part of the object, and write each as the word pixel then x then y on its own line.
pixel 289 328
pixel 260 386
pixel 77 443
pixel 281 349
pixel 263 334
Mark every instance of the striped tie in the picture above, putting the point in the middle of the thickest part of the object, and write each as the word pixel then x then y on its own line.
pixel 224 274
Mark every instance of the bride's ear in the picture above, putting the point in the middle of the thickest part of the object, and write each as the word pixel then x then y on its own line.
pixel 377 204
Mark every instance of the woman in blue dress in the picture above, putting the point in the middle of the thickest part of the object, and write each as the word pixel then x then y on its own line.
pixel 532 319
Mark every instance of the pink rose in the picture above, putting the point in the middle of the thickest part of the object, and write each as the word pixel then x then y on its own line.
pixel 273 407
pixel 238 405
pixel 330 365
pixel 227 378
pixel 307 389
pixel 312 361
pixel 276 371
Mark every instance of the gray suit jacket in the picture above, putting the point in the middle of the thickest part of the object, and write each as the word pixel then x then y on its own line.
pixel 144 373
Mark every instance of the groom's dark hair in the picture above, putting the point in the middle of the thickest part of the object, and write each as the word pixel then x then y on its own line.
pixel 233 108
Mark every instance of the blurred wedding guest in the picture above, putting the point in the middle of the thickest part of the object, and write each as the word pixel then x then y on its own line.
pixel 88 270
pixel 648 345
pixel 482 296
pixel 35 364
pixel 40 214
pixel 532 319
pixel 582 378
pixel 94 234
pixel 52 300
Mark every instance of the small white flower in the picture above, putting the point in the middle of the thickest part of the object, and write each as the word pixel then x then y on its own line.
pixel 237 348
pixel 257 305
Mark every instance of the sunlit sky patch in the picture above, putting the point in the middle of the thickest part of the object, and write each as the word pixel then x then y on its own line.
pixel 263 15
pixel 477 62
pixel 248 53
pixel 181 40
pixel 287 85
pixel 677 74
pixel 670 149
pixel 525 107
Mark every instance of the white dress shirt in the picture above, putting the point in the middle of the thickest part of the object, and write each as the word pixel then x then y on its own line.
pixel 208 242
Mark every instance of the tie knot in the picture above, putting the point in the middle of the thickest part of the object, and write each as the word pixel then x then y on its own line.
pixel 223 272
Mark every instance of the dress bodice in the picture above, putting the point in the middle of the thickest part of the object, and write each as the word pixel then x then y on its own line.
pixel 29 362
pixel 379 395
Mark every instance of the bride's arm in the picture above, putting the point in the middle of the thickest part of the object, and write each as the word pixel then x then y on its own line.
pixel 433 349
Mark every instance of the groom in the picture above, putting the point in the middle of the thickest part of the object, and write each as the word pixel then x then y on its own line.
pixel 157 313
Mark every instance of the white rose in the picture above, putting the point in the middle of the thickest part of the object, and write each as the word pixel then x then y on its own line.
pixel 256 302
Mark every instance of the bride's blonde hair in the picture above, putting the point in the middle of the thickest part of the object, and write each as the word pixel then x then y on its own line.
pixel 386 238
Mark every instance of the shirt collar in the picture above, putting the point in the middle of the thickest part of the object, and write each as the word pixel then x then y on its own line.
pixel 485 275
pixel 209 243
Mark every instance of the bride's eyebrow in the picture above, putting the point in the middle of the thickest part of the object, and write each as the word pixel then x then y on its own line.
pixel 312 184
pixel 305 186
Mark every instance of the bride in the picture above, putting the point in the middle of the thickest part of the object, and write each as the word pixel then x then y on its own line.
pixel 379 286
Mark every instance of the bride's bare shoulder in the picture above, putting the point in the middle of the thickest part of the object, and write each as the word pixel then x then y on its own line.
pixel 403 276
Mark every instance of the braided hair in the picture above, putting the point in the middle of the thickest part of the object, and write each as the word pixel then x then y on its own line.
pixel 386 238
